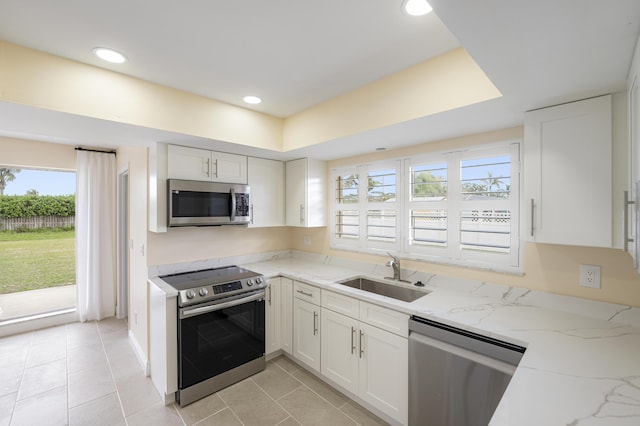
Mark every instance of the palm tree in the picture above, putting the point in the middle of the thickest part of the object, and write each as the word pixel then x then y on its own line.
pixel 491 182
pixel 6 176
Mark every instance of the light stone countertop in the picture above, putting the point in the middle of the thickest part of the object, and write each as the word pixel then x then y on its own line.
pixel 582 363
pixel 577 370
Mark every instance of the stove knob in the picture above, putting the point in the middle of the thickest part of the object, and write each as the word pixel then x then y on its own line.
pixel 203 292
pixel 191 294
pixel 250 282
pixel 259 280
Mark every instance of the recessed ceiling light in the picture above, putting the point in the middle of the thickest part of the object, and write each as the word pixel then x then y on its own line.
pixel 253 100
pixel 109 55
pixel 416 7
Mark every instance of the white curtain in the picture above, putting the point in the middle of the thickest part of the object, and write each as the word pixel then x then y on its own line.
pixel 95 234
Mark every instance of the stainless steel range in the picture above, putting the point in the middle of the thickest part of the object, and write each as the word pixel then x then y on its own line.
pixel 221 329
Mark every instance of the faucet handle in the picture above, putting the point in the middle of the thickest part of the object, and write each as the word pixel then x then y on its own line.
pixel 395 258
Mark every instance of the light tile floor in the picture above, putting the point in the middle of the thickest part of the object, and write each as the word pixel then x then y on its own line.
pixel 87 374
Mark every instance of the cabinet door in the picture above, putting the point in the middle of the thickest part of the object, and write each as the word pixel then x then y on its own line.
pixel 306 333
pixel 339 351
pixel 266 180
pixel 296 181
pixel 384 374
pixel 286 293
pixel 188 163
pixel 629 228
pixel 273 316
pixel 229 168
pixel 568 174
pixel 306 184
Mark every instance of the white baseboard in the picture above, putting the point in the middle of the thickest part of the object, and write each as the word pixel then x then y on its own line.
pixel 142 359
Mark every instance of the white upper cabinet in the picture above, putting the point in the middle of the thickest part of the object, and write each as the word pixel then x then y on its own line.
pixel 306 193
pixel 266 180
pixel 633 87
pixel 568 174
pixel 200 164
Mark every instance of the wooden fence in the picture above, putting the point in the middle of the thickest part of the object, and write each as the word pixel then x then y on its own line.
pixel 11 224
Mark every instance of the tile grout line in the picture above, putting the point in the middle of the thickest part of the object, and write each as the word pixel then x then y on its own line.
pixel 324 399
pixel 276 401
pixel 113 377
pixel 289 393
pixel 230 409
pixel 302 384
pixel 24 367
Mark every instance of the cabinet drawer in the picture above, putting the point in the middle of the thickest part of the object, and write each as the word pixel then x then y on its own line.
pixel 341 304
pixel 306 292
pixel 386 319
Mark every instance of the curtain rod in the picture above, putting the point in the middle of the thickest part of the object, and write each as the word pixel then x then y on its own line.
pixel 95 150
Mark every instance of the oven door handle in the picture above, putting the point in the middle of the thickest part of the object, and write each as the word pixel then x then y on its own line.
pixel 187 313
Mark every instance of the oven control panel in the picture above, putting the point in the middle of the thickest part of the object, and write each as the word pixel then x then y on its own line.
pixel 227 287
pixel 212 292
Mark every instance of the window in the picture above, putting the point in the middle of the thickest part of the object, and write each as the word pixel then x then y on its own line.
pixel 37 242
pixel 366 218
pixel 458 207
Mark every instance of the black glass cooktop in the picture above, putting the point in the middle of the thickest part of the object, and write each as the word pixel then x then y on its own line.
pixel 204 277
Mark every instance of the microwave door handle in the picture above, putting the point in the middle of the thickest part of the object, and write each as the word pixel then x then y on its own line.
pixel 233 204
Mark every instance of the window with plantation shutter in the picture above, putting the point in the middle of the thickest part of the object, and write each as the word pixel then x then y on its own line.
pixel 365 207
pixel 347 214
pixel 428 210
pixel 457 207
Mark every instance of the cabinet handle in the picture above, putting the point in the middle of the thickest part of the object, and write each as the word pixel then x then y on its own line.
pixel 353 346
pixel 215 163
pixel 301 214
pixel 625 221
pixel 305 293
pixel 315 323
pixel 269 294
pixel 360 341
pixel 252 214
pixel 532 213
pixel 208 167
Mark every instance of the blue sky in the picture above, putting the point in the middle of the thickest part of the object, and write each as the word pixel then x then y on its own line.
pixel 46 182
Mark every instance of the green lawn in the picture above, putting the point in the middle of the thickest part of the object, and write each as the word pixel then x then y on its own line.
pixel 33 260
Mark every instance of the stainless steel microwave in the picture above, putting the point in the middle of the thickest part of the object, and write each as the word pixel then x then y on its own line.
pixel 195 203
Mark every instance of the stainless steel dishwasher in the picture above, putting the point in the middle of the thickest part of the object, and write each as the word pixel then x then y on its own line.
pixel 456 377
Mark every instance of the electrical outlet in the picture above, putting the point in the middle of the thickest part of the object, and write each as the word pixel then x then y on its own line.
pixel 590 276
pixel 307 240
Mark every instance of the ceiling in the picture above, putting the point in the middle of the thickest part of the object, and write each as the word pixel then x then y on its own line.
pixel 295 54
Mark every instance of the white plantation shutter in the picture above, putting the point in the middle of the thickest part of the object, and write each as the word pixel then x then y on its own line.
pixel 365 207
pixel 457 207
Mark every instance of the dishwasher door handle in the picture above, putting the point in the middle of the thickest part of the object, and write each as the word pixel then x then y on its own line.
pixel 503 367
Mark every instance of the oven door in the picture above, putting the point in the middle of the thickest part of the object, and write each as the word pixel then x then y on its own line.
pixel 218 337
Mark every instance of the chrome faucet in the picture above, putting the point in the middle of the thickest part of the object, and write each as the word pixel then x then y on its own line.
pixel 394 262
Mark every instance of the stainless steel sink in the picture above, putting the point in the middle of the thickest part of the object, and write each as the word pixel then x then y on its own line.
pixel 385 289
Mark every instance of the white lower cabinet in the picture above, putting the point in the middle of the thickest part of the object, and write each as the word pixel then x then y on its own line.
pixel 286 308
pixel 365 360
pixel 306 333
pixel 163 349
pixel 273 315
pixel 340 356
pixel 384 371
